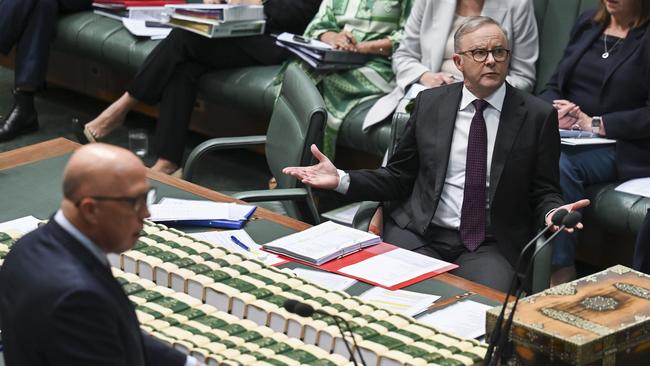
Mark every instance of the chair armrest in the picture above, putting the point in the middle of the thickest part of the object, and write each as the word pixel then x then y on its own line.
pixel 364 214
pixel 219 143
pixel 278 194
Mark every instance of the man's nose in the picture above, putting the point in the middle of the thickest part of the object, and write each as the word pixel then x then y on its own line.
pixel 489 60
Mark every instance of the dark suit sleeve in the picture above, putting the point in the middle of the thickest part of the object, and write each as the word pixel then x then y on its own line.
pixel 290 15
pixel 159 354
pixel 552 89
pixel 545 190
pixel 83 332
pixel 396 180
pixel 633 124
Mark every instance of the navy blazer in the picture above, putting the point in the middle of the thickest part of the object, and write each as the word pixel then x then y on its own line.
pixel 59 305
pixel 624 94
pixel 524 175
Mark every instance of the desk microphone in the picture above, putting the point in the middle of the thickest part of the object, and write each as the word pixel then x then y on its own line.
pixel 560 218
pixel 306 310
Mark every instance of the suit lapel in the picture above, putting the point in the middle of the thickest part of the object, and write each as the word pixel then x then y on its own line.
pixel 570 62
pixel 511 120
pixel 628 46
pixel 443 132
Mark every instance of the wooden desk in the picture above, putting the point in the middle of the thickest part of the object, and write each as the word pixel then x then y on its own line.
pixel 61 146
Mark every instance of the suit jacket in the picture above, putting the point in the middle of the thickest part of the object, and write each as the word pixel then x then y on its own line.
pixel 524 176
pixel 624 94
pixel 59 305
pixel 426 31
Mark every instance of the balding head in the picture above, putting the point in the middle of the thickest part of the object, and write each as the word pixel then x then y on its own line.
pixel 100 183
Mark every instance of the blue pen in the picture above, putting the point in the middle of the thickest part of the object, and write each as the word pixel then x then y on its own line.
pixel 238 242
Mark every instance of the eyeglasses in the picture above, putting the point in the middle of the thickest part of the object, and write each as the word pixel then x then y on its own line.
pixel 137 203
pixel 481 54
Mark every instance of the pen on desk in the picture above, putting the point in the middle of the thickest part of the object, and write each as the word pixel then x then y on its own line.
pixel 239 243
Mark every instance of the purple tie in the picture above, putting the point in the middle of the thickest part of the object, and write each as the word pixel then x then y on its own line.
pixel 472 215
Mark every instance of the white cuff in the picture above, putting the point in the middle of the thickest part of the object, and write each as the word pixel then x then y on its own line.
pixel 344 182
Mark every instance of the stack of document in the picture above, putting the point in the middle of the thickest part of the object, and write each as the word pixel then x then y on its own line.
pixel 140 9
pixel 201 213
pixel 219 20
pixel 321 55
pixel 322 243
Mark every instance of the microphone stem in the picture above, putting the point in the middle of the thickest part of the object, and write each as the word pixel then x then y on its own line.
pixel 347 345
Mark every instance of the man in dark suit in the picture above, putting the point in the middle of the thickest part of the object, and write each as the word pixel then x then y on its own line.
pixel 171 72
pixel 476 171
pixel 59 302
pixel 30 26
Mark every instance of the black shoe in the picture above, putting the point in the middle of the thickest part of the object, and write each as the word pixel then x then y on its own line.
pixel 82 133
pixel 22 117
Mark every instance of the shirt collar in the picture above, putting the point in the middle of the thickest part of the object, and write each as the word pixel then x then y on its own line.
pixel 495 99
pixel 60 219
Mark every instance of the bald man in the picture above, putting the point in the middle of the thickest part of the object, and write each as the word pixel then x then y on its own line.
pixel 59 302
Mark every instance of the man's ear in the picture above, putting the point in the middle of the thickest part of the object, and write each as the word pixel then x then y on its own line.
pixel 458 61
pixel 88 210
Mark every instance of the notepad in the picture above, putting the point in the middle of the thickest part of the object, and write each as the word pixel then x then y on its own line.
pixel 201 213
pixel 322 243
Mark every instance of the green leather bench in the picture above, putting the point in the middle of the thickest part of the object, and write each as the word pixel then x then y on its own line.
pixel 107 44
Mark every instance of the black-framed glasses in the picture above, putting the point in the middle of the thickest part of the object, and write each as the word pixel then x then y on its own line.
pixel 481 54
pixel 136 202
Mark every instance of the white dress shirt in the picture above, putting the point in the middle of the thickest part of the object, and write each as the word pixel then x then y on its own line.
pixel 85 241
pixel 451 198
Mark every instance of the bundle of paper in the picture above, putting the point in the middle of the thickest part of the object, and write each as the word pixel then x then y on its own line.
pixel 219 20
pixel 140 9
pixel 201 213
pixel 322 243
pixel 320 55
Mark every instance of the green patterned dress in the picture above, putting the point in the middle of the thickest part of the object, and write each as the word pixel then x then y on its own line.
pixel 367 20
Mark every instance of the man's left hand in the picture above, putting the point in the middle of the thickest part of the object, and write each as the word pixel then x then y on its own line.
pixel 569 207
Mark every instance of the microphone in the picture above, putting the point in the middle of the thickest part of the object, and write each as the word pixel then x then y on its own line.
pixel 306 310
pixel 500 335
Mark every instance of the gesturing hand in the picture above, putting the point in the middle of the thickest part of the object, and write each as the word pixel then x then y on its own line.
pixel 322 175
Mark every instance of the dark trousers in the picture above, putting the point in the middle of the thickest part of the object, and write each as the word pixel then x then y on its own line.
pixel 171 73
pixel 641 260
pixel 486 265
pixel 30 25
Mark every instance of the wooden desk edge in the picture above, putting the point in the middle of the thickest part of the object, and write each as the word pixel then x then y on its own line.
pixel 61 146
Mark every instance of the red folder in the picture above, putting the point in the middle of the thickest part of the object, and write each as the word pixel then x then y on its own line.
pixel 335 265
pixel 136 3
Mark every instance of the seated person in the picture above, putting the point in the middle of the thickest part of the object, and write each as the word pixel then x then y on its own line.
pixel 641 260
pixel 463 192
pixel 371 27
pixel 60 303
pixel 426 49
pixel 171 72
pixel 30 26
pixel 601 85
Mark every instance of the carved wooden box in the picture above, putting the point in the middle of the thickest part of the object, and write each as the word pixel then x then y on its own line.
pixel 602 319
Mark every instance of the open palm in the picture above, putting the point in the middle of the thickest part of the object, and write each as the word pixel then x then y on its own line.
pixel 322 175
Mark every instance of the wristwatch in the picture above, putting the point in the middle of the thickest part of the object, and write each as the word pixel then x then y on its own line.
pixel 595 124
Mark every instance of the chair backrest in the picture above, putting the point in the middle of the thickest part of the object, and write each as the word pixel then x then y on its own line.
pixel 297 121
pixel 555 19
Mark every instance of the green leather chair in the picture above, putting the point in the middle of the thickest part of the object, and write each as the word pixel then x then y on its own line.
pixel 297 122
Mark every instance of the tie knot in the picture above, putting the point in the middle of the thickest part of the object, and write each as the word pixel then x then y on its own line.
pixel 480 105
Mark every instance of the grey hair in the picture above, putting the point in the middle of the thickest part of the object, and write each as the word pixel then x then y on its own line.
pixel 472 24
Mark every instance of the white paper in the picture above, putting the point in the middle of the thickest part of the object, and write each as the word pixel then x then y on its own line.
pixel 137 27
pixel 224 240
pixel 639 186
pixel 313 43
pixel 463 319
pixel 172 209
pixel 22 225
pixel 343 214
pixel 408 303
pixel 586 141
pixel 326 280
pixel 576 134
pixel 394 267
